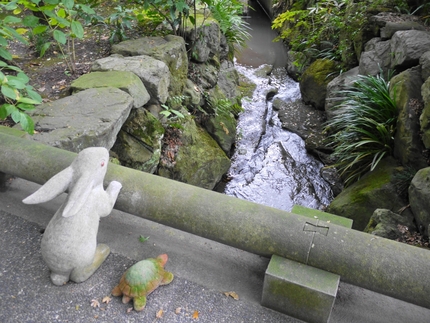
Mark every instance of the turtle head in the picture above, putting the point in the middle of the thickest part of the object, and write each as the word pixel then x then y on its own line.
pixel 162 259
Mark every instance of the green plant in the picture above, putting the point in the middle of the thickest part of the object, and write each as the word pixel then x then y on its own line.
pixel 143 239
pixel 171 107
pixel 18 96
pixel 58 18
pixel 402 179
pixel 362 130
pixel 224 107
pixel 176 14
pixel 317 30
pixel 228 14
pixel 119 22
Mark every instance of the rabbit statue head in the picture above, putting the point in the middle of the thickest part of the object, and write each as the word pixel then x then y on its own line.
pixel 69 244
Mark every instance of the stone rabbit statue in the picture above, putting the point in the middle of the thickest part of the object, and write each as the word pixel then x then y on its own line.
pixel 69 244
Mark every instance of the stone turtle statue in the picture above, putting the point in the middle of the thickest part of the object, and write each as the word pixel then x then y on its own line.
pixel 69 244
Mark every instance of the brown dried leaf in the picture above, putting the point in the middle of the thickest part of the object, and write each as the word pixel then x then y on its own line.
pixel 159 314
pixel 106 299
pixel 195 315
pixel 234 295
pixel 95 303
pixel 129 309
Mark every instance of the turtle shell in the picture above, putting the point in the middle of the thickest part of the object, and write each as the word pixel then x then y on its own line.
pixel 143 278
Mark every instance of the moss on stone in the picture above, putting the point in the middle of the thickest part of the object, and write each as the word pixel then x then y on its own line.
pixel 372 191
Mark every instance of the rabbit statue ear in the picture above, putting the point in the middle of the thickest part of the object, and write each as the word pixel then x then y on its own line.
pixel 78 197
pixel 52 188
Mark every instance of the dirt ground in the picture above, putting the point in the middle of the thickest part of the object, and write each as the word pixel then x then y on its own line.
pixel 50 75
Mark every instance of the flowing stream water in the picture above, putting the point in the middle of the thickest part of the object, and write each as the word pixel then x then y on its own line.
pixel 271 166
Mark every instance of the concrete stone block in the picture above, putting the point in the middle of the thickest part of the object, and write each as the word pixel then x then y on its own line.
pixel 302 291
pixel 298 290
pixel 322 216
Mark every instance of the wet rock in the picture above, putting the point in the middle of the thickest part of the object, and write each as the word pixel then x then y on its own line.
pixel 384 223
pixel 154 73
pixel 408 146
pixel 303 120
pixel 169 49
pixel 126 81
pixel 139 142
pixel 90 118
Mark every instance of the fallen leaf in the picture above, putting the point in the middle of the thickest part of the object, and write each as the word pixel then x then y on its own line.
pixel 178 310
pixel 129 309
pixel 106 299
pixel 195 315
pixel 232 294
pixel 159 314
pixel 95 303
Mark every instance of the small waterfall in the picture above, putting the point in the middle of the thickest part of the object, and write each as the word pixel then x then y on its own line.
pixel 271 165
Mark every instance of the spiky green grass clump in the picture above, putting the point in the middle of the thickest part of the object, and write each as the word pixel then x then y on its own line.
pixel 362 131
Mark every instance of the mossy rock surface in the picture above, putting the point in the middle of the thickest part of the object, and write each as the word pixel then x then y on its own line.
pixel 138 144
pixel 200 161
pixel 373 191
pixel 313 84
pixel 123 80
pixel 169 49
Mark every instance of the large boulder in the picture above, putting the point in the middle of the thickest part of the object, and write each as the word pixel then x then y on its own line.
pixel 313 84
pixel 90 118
pixel 206 40
pixel 123 80
pixel 391 27
pixel 339 83
pixel 169 49
pixel 228 80
pixel 376 57
pixel 419 192
pixel 425 65
pixel 385 223
pixel 221 123
pixel 154 73
pixel 408 147
pixel 407 46
pixel 373 191
pixel 303 120
pixel 199 160
pixel 205 74
pixel 139 142
pixel 425 115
